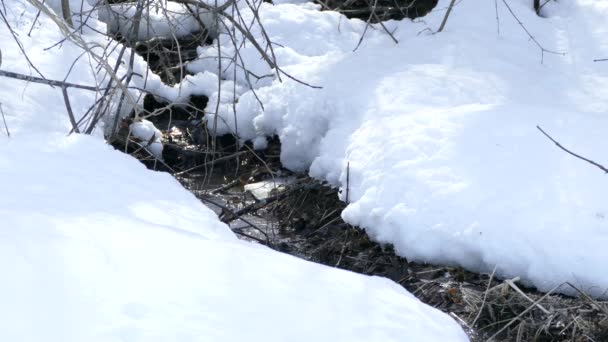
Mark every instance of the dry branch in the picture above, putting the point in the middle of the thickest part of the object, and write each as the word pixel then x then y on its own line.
pixel 447 14
pixel 52 83
pixel 4 120
pixel 212 162
pixel 68 107
pixel 601 167
pixel 533 305
pixel 532 38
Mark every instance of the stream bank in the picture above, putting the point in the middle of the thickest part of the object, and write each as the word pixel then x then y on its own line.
pixel 302 217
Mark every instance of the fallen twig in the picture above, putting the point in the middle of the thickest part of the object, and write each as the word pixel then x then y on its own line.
pixel 447 14
pixel 542 49
pixel 4 120
pixel 523 312
pixel 511 283
pixel 485 296
pixel 52 83
pixel 586 296
pixel 68 107
pixel 603 168
pixel 347 181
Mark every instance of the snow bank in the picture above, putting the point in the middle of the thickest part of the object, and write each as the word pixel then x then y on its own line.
pixel 160 19
pixel 94 247
pixel 440 130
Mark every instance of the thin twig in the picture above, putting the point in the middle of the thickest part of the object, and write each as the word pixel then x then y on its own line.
pixel 497 18
pixel 68 107
pixel 347 181
pixel 4 119
pixel 45 81
pixel 34 22
pixel 523 312
pixel 511 283
pixel 18 42
pixel 601 167
pixel 447 14
pixel 211 162
pixel 485 296
pixel 586 296
pixel 542 49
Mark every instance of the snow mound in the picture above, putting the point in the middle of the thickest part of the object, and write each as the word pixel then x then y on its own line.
pixel 439 131
pixel 96 248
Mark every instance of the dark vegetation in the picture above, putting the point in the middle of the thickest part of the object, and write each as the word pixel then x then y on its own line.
pixel 380 10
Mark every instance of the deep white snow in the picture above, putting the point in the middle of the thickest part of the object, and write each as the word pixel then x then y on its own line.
pixel 440 130
pixel 95 247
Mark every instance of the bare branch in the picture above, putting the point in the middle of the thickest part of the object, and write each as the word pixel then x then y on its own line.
pixel 447 14
pixel 52 83
pixel 4 120
pixel 68 107
pixel 18 42
pixel 603 168
pixel 542 49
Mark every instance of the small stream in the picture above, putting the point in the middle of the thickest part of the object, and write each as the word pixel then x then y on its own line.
pixel 259 226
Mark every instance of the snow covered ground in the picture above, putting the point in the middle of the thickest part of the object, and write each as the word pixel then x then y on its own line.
pixel 440 130
pixel 94 247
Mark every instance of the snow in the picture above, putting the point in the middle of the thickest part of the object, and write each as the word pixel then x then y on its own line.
pixel 95 247
pixel 150 136
pixel 439 131
pixel 160 19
